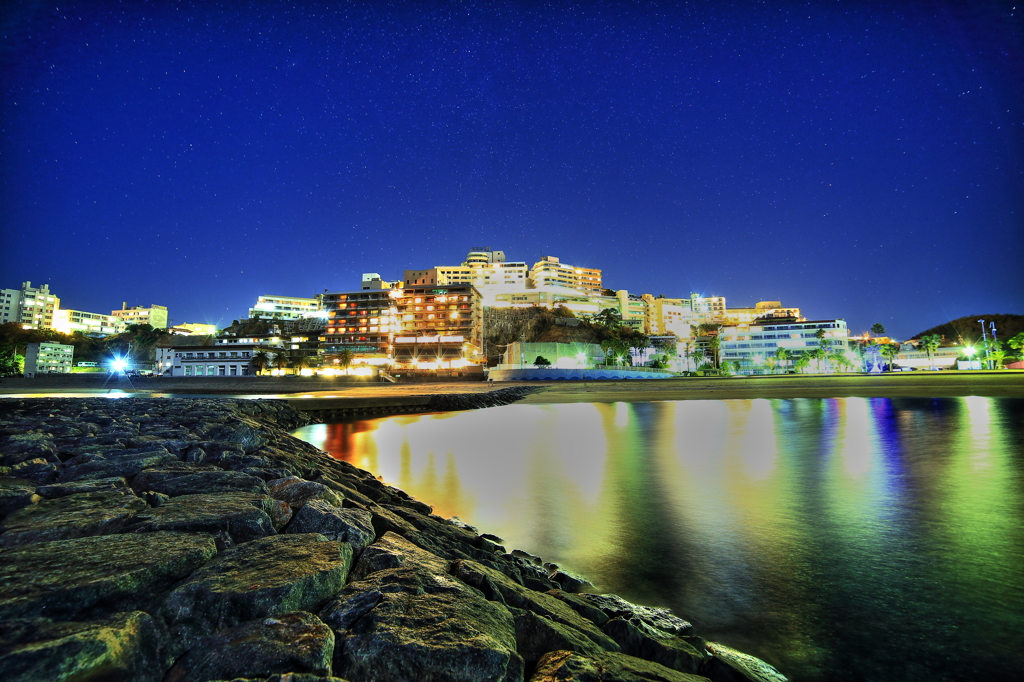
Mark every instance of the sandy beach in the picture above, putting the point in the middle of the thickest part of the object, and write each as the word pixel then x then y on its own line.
pixel 1007 383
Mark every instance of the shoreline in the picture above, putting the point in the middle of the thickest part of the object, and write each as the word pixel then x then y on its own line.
pixel 1005 383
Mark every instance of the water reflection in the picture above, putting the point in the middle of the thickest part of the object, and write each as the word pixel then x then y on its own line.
pixel 846 539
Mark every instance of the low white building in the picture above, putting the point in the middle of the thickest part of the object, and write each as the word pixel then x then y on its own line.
pixel 285 308
pixel 48 358
pixel 942 358
pixel 751 345
pixel 68 321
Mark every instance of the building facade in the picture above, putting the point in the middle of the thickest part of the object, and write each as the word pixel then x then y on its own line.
pixel 750 345
pixel 68 321
pixel 155 315
pixel 362 322
pixel 549 271
pixel 761 310
pixel 218 360
pixel 48 358
pixel 284 308
pixel 31 307
pixel 440 326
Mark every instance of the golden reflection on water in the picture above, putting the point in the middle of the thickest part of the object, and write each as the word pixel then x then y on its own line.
pixel 770 523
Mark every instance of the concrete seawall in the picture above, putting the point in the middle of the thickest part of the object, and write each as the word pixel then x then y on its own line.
pixel 192 540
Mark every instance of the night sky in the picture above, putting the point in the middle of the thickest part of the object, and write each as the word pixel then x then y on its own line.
pixel 858 160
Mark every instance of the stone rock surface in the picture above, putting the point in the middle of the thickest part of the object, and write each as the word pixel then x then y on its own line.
pixel 242 516
pixel 122 646
pixel 188 481
pixel 567 666
pixel 353 526
pixel 65 578
pixel 258 579
pixel 729 665
pixel 75 516
pixel 297 642
pixel 297 492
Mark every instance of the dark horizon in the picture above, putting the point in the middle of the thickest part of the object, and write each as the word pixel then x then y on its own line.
pixel 857 160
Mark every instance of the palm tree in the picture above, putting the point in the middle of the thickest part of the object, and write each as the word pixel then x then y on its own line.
pixel 771 361
pixel 801 362
pixel 930 343
pixel 281 360
pixel 260 361
pixel 299 361
pixel 783 355
pixel 344 358
pixel 889 351
pixel 998 357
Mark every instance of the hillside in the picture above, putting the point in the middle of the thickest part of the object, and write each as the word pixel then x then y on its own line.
pixel 1007 326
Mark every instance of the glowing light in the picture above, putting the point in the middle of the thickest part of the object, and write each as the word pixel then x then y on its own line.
pixel 118 365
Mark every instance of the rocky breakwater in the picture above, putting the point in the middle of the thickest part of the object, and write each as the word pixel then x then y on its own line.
pixel 194 540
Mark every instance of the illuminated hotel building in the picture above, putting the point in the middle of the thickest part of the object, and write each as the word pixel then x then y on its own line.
pixel 362 322
pixel 440 327
pixel 751 344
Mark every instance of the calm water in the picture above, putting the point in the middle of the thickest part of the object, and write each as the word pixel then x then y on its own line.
pixel 844 539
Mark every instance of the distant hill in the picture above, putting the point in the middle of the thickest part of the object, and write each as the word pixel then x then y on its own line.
pixel 968 328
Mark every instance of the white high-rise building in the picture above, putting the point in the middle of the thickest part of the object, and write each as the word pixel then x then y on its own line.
pixel 32 307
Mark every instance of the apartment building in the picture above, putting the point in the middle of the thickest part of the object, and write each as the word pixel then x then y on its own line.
pixel 284 308
pixel 751 344
pixel 68 321
pixel 155 315
pixel 549 271
pixel 363 322
pixel 48 358
pixel 440 326
pixel 32 307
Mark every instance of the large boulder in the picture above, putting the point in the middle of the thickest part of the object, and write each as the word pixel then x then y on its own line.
pixel 297 492
pixel 643 641
pixel 190 480
pixel 297 642
pixel 21 447
pixel 56 490
pixel 75 516
pixel 64 578
pixel 238 516
pixel 126 463
pixel 353 526
pixel 16 494
pixel 259 579
pixel 567 666
pixel 498 587
pixel 729 665
pixel 408 620
pixel 122 646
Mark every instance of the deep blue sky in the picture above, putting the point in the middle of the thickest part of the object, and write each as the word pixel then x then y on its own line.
pixel 859 160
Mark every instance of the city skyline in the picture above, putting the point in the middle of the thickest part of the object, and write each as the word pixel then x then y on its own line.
pixel 857 161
